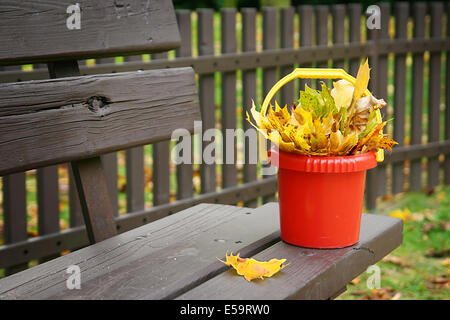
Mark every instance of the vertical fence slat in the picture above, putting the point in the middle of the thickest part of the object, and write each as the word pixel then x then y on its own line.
pixel 338 12
pixel 415 176
pixel 270 76
pixel 248 93
pixel 161 163
pixel 401 21
pixel 434 92
pixel 48 202
pixel 322 12
pixel 447 102
pixel 135 180
pixel 381 89
pixel 287 41
pixel 206 94
pixel 228 117
pixel 15 213
pixel 354 19
pixel 376 177
pixel 306 35
pixel 185 188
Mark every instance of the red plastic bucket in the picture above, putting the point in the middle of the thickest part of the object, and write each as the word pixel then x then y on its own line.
pixel 321 198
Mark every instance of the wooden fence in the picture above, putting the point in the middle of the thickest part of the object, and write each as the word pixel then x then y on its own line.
pixel 238 56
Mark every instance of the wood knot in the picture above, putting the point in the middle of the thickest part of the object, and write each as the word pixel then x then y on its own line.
pixel 97 104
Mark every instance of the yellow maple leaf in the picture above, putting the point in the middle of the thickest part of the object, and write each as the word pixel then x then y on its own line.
pixel 404 214
pixel 253 269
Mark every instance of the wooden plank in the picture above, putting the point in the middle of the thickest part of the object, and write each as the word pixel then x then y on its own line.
pixel 401 21
pixel 185 187
pixel 287 41
pixel 321 14
pixel 354 20
pixel 434 92
pixel 447 103
pixel 306 14
pixel 338 11
pixel 48 202
pixel 248 92
pixel 75 238
pixel 161 164
pixel 135 27
pixel 14 216
pixel 135 179
pixel 415 175
pixel 156 261
pixel 270 74
pixel 161 172
pixel 228 112
pixel 75 214
pixel 63 69
pixel 94 197
pixel 207 94
pixel 381 90
pixel 79 117
pixel 109 163
pixel 376 177
pixel 310 273
pixel 251 60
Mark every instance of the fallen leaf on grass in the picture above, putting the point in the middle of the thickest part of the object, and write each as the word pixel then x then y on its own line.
pixel 446 262
pixel 397 261
pixel 431 253
pixel 355 281
pixel 404 214
pixel 385 293
pixel 440 282
pixel 253 269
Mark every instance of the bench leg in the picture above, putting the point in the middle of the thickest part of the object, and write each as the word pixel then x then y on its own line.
pixel 94 198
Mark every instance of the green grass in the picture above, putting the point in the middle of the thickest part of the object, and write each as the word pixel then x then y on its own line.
pixel 419 262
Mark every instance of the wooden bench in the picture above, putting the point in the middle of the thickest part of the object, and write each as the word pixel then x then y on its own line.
pixel 78 118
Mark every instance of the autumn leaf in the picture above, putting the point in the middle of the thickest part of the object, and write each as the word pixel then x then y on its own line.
pixel 253 269
pixel 404 214
pixel 339 122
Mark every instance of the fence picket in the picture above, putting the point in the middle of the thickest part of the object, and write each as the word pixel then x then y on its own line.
pixel 185 188
pixel 161 163
pixel 322 12
pixel 447 102
pixel 418 12
pixel 401 21
pixel 434 92
pixel 206 94
pixel 248 92
pixel 270 74
pixel 228 115
pixel 354 22
pixel 306 35
pixel 287 41
pixel 338 12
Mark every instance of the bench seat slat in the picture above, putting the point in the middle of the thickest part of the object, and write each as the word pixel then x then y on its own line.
pixel 53 121
pixel 37 30
pixel 158 260
pixel 311 274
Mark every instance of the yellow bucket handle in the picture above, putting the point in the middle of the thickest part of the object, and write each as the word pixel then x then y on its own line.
pixel 317 73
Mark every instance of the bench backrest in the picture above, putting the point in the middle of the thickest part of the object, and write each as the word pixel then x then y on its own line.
pixel 78 118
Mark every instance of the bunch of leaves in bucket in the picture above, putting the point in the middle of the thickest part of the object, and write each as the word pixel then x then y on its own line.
pixel 336 122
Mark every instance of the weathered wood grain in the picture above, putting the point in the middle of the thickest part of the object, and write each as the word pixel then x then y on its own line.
pixel 311 273
pixel 52 121
pixel 158 260
pixel 95 199
pixel 37 31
